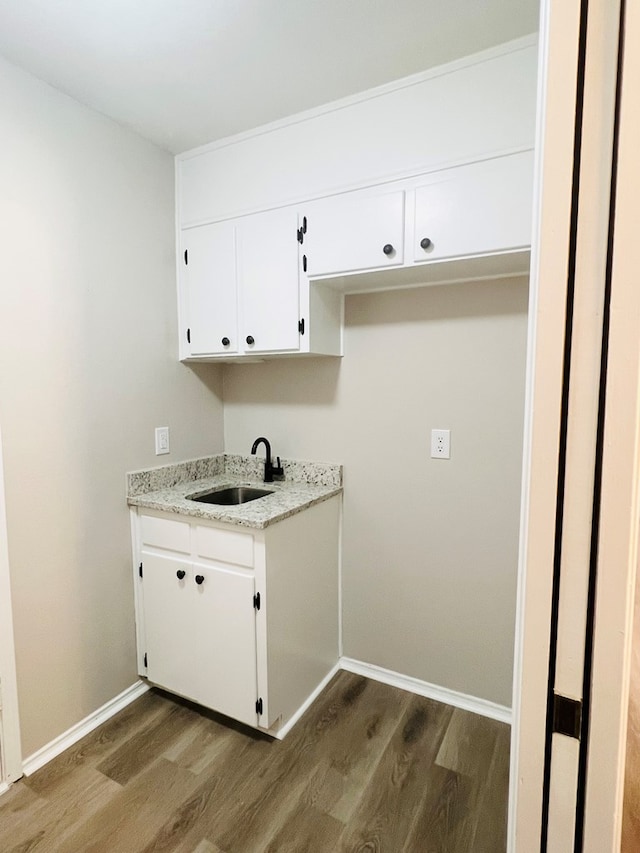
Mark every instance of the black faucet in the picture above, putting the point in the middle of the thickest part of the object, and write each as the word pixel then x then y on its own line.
pixel 269 468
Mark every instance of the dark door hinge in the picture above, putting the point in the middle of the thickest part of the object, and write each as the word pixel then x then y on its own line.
pixel 186 256
pixel 301 326
pixel 188 336
pixel 304 263
pixel 300 233
pixel 259 706
pixel 256 601
pixel 140 569
pixel 567 716
pixel 145 659
pixel 304 224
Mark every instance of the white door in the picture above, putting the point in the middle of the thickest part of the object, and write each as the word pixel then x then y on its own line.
pixel 268 281
pixel 482 208
pixel 200 634
pixel 354 231
pixel 208 265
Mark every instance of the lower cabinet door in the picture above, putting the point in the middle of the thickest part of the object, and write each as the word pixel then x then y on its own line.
pixel 200 634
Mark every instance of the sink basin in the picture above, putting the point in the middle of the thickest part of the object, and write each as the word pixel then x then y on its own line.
pixel 230 496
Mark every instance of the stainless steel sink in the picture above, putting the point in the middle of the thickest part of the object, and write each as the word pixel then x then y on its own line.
pixel 230 496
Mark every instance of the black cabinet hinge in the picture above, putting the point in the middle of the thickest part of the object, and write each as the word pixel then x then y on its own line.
pixel 256 601
pixel 304 263
pixel 567 716
pixel 302 230
pixel 259 706
pixel 188 336
pixel 186 256
pixel 140 569
pixel 301 326
pixel 145 659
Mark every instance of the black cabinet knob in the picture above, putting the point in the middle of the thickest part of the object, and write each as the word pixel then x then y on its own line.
pixel 387 249
pixel 199 579
pixel 250 340
pixel 425 243
pixel 225 342
pixel 180 574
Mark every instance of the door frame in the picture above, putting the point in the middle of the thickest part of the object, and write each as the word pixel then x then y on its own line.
pixel 11 753
pixel 620 479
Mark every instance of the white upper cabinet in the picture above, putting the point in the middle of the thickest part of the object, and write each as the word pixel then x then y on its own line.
pixel 482 208
pixel 354 231
pixel 243 292
pixel 425 180
pixel 425 229
pixel 208 266
pixel 268 281
pixel 474 107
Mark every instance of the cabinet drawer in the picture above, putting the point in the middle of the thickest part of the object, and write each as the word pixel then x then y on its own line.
pixel 165 533
pixel 227 546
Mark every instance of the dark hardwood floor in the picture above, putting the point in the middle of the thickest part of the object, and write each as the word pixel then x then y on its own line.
pixel 368 768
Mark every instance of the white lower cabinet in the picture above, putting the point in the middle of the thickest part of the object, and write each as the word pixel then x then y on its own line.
pixel 242 622
pixel 201 634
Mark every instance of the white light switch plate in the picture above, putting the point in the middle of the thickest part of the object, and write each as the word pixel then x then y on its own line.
pixel 162 440
pixel 440 444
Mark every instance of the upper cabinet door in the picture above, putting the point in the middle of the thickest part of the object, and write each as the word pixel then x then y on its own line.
pixel 268 281
pixel 210 297
pixel 482 208
pixel 354 231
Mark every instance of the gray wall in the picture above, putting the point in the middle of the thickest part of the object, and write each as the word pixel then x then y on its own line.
pixel 430 546
pixel 89 367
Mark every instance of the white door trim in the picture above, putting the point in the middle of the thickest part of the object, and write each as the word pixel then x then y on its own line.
pixel 558 46
pixel 620 490
pixel 603 727
pixel 11 755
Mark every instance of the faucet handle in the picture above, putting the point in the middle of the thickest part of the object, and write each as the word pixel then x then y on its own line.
pixel 277 469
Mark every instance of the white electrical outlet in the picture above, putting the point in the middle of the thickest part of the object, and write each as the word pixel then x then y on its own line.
pixel 162 440
pixel 440 444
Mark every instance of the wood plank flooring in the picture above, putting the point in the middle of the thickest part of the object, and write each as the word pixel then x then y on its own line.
pixel 368 768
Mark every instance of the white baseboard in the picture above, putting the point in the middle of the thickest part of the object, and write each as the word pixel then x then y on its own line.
pixel 75 733
pixel 430 691
pixel 377 673
pixel 286 728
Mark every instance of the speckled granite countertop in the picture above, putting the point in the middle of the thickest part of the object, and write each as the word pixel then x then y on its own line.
pixel 167 488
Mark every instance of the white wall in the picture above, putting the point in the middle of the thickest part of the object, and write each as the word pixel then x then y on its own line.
pixel 430 546
pixel 89 367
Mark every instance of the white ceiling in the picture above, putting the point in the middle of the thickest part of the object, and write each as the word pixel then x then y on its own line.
pixel 186 72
